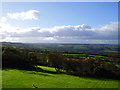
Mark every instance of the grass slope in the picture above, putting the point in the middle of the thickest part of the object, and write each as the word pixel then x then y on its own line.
pixel 0 79
pixel 13 78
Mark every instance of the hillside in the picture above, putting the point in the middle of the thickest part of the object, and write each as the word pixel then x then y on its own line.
pixel 31 65
pixel 74 48
pixel 48 78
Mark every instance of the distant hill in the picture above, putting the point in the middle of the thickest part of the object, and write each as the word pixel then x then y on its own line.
pixel 74 48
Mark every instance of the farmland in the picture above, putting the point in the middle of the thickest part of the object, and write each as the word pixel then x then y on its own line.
pixel 69 48
pixel 60 66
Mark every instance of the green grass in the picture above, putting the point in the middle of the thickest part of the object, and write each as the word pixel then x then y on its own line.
pixel 75 54
pixel 0 79
pixel 109 51
pixel 82 55
pixel 80 47
pixel 13 78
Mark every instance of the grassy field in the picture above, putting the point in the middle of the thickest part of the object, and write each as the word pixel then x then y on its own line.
pixel 109 51
pixel 83 55
pixel 48 78
pixel 0 79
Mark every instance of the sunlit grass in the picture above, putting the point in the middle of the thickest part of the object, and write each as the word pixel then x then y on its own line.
pixel 0 79
pixel 13 78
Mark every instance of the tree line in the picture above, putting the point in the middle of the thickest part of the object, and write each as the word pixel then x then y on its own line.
pixel 89 66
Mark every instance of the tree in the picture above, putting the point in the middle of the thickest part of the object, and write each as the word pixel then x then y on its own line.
pixel 13 58
pixel 56 60
pixel 33 58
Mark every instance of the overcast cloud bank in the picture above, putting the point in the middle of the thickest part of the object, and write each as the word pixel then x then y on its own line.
pixel 61 34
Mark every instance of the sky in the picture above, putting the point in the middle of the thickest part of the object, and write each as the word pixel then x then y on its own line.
pixel 60 22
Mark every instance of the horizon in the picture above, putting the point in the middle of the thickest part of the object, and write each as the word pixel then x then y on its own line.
pixel 60 22
pixel 59 43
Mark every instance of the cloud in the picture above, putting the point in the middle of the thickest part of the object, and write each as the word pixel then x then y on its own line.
pixel 28 15
pixel 108 32
pixel 3 19
pixel 69 30
pixel 62 34
pixel 83 31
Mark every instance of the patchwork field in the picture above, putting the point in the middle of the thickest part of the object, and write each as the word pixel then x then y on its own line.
pixel 48 78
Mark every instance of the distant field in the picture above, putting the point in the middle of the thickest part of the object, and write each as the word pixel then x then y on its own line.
pixel 80 48
pixel 13 78
pixel 82 55
pixel 110 51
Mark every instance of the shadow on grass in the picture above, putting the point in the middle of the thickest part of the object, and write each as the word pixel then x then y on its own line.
pixel 47 71
pixel 40 71
pixel 35 71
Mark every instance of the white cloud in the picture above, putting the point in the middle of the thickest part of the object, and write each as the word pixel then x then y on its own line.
pixel 28 15
pixel 67 28
pixel 49 38
pixel 71 34
pixel 109 31
pixel 3 19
